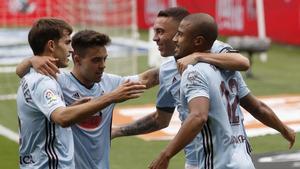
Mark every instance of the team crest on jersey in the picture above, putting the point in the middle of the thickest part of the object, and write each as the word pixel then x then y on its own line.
pixel 50 96
pixel 193 76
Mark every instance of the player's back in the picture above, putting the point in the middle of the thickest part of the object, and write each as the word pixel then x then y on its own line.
pixel 222 138
pixel 43 144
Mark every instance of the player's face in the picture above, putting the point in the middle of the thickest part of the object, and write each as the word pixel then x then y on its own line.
pixel 63 50
pixel 164 30
pixel 183 40
pixel 92 65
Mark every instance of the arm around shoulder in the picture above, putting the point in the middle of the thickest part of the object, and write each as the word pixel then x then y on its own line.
pixel 150 77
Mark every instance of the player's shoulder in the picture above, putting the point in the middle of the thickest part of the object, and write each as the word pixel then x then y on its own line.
pixel 168 66
pixel 220 47
pixel 34 79
pixel 200 68
pixel 169 62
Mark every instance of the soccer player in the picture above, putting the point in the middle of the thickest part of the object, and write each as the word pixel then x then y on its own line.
pixel 210 96
pixel 165 27
pixel 87 79
pixel 46 139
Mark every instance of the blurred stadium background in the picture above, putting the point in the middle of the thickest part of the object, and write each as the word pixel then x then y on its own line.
pixel 129 22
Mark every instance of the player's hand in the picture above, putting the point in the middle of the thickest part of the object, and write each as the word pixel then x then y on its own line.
pixel 81 101
pixel 187 60
pixel 128 90
pixel 45 65
pixel 290 135
pixel 161 162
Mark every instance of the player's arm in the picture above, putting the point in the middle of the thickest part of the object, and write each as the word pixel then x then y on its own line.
pixel 150 77
pixel 188 131
pixel 42 64
pixel 229 60
pixel 66 116
pixel 153 122
pixel 265 114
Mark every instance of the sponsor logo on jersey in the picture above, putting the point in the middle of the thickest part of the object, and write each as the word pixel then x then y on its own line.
pixel 174 80
pixel 238 139
pixel 26 159
pixel 76 95
pixel 92 122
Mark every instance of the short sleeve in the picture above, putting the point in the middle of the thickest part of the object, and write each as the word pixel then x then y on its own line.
pixel 47 96
pixel 243 89
pixel 134 78
pixel 194 84
pixel 221 47
pixel 164 99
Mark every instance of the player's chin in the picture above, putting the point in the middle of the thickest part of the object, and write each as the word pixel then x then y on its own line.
pixel 63 64
pixel 97 78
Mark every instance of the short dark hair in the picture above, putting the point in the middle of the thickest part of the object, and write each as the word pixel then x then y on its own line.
pixel 46 29
pixel 204 25
pixel 85 39
pixel 177 13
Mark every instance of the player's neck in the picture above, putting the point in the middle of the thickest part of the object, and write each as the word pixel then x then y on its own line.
pixel 83 81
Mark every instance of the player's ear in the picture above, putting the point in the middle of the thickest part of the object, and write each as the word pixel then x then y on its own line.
pixel 76 58
pixel 51 45
pixel 199 40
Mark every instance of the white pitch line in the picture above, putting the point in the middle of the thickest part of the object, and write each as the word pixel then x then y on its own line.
pixel 9 134
pixel 8 97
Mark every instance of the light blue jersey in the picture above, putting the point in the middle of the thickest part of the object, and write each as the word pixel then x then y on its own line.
pixel 168 96
pixel 223 139
pixel 92 136
pixel 43 144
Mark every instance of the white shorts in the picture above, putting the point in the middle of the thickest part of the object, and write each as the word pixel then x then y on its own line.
pixel 189 166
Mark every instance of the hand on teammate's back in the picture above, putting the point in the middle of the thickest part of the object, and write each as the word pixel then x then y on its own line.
pixel 45 65
pixel 128 90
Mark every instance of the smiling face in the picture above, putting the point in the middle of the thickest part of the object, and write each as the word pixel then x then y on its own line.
pixel 92 64
pixel 184 40
pixel 63 50
pixel 164 30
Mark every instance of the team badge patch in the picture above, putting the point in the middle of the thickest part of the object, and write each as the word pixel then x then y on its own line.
pixel 50 96
pixel 193 76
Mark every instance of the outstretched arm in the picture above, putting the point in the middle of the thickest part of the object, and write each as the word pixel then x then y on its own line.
pixel 229 61
pixel 66 116
pixel 187 132
pixel 264 114
pixel 150 77
pixel 42 64
pixel 150 123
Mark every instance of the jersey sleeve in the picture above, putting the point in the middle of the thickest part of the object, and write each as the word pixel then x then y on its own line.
pixel 47 96
pixel 221 47
pixel 133 78
pixel 164 99
pixel 194 84
pixel 116 80
pixel 243 89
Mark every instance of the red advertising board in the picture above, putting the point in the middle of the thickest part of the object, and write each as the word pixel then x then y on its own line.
pixel 238 17
pixel 234 17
